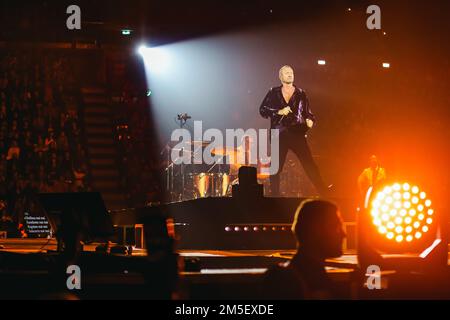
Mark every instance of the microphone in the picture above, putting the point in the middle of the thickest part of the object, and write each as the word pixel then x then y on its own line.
pixel 290 111
pixel 183 116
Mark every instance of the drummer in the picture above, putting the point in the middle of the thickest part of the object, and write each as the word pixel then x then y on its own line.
pixel 242 156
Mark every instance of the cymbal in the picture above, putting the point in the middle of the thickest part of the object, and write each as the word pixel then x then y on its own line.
pixel 182 149
pixel 226 151
pixel 198 142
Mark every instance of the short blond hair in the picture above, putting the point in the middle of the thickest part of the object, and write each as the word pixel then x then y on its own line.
pixel 284 67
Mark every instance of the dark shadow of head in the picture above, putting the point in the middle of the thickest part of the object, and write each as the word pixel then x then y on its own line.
pixel 318 228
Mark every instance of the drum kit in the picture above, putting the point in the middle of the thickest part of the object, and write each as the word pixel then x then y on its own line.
pixel 192 181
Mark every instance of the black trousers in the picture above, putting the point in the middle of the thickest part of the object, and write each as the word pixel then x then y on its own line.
pixel 294 139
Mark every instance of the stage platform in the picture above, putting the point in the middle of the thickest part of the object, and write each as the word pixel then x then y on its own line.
pixel 208 274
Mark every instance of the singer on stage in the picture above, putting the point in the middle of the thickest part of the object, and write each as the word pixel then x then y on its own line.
pixel 288 109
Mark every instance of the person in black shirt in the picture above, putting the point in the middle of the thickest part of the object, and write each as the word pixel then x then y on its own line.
pixel 319 232
pixel 288 109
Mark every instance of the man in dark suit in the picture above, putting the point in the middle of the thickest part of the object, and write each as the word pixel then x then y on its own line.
pixel 288 109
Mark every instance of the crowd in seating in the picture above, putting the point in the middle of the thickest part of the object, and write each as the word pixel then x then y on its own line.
pixel 136 147
pixel 41 144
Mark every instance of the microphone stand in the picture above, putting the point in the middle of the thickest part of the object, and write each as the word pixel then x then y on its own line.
pixel 182 118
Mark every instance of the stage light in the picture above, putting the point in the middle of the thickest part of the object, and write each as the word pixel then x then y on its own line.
pixel 393 215
pixel 407 238
pixel 126 32
pixel 321 62
pixel 156 59
pixel 141 50
pixel 386 65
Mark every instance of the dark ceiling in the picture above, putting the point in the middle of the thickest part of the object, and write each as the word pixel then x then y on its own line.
pixel 168 21
pixel 162 20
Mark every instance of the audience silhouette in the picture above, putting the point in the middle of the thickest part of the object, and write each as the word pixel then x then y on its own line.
pixel 318 229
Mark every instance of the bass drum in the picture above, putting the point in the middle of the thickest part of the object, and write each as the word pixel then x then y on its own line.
pixel 204 185
pixel 199 185
pixel 221 185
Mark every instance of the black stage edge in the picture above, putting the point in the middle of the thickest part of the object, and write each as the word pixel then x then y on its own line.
pixel 255 223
